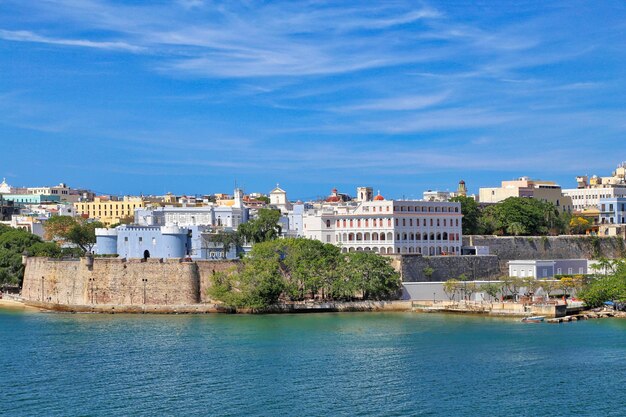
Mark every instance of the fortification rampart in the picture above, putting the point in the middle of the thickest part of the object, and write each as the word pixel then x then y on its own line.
pixel 417 268
pixel 548 247
pixel 112 281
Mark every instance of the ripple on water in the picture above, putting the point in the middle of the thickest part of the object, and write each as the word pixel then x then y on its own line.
pixel 326 364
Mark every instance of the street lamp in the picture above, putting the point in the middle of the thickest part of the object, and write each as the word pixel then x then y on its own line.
pixel 91 282
pixel 145 281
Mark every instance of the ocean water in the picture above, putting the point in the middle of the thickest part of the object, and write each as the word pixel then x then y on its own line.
pixel 351 364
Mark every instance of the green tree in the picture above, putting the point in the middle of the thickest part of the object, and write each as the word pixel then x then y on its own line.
pixel 303 269
pixel 522 216
pixel 372 275
pixel 492 289
pixel 471 214
pixel 13 243
pixel 76 231
pixel 451 287
pixel 511 286
pixel 227 240
pixel 265 227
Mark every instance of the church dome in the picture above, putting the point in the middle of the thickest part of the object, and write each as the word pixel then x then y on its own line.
pixel 379 197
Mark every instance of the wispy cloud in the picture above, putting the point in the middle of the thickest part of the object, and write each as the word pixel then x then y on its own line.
pixel 398 103
pixel 27 36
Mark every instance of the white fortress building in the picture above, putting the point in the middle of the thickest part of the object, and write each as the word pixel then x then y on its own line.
pixel 386 226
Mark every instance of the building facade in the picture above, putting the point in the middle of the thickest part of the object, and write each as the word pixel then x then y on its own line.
pixel 612 210
pixel 22 199
pixel 167 242
pixel 109 211
pixel 387 226
pixel 547 191
pixel 547 268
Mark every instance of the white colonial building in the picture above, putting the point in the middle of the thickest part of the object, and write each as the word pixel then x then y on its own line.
pixel 226 216
pixel 387 226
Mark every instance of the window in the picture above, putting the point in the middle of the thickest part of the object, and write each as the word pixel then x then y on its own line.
pixel 545 272
pixel 140 239
pixel 154 241
pixel 327 223
pixel 559 271
pixel 327 238
pixel 580 270
pixel 570 270
pixel 126 239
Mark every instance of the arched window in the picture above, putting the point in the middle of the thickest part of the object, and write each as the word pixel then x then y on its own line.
pixel 344 222
pixel 382 236
pixel 367 222
pixel 388 222
pixel 327 223
pixel 437 222
pixel 351 223
pixel 358 223
pixel 445 222
pixel 403 222
pixel 374 236
pixel 396 222
pixel 431 222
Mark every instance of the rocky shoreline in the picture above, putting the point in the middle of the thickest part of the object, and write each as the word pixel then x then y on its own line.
pixel 588 315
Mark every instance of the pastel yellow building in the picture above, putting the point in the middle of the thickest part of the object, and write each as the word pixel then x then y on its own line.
pixel 109 211
pixel 547 191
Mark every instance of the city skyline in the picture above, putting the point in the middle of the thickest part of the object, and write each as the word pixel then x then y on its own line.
pixel 136 97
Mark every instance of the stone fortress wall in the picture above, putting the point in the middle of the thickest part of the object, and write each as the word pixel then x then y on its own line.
pixel 157 282
pixel 113 281
pixel 548 247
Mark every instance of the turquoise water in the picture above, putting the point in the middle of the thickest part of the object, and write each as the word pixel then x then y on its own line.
pixel 361 364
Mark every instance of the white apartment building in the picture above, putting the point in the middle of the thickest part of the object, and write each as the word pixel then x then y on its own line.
pixel 583 198
pixel 227 216
pixel 388 226
pixel 591 190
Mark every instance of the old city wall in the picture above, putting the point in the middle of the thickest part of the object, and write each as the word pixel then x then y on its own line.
pixel 206 270
pixel 115 281
pixel 548 247
pixel 54 280
pixel 417 268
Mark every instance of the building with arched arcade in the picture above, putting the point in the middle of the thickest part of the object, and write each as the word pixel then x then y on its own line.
pixel 388 226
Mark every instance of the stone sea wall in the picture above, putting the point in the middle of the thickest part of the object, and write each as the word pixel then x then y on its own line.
pixel 548 247
pixel 417 268
pixel 113 281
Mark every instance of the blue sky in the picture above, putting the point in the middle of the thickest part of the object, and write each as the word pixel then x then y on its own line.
pixel 192 96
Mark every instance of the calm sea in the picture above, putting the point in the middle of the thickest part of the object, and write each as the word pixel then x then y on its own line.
pixel 359 364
